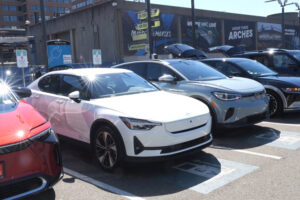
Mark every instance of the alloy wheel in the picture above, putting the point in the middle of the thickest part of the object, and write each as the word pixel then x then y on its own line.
pixel 106 149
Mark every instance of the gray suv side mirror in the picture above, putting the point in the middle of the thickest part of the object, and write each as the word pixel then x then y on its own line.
pixel 167 78
pixel 75 96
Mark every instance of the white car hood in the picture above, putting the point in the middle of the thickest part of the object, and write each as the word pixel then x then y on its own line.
pixel 236 84
pixel 155 106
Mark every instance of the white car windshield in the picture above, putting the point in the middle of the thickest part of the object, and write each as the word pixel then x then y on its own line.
pixel 115 84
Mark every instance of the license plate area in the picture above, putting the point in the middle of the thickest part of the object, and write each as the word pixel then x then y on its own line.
pixel 2 170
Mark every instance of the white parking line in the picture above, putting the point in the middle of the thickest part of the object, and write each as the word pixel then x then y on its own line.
pixel 281 124
pixel 102 185
pixel 249 152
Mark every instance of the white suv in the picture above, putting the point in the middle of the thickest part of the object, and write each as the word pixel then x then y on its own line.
pixel 120 114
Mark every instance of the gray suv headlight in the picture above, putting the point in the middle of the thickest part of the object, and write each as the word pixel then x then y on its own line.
pixel 139 124
pixel 227 96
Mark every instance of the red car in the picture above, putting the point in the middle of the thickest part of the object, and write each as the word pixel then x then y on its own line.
pixel 30 159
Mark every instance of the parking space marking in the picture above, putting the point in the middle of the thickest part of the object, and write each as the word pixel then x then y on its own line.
pixel 283 139
pixel 205 177
pixel 102 185
pixel 280 124
pixel 248 152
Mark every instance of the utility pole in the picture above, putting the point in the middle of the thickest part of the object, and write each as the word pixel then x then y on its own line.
pixel 150 38
pixel 193 24
pixel 282 4
pixel 44 33
pixel 298 8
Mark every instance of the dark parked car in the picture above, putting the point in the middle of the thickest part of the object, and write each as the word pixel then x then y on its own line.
pixel 185 51
pixel 284 62
pixel 283 91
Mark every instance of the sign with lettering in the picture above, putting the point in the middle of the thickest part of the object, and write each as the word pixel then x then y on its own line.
pixel 240 33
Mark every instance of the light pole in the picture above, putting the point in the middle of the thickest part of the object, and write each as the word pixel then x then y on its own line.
pixel 282 4
pixel 150 38
pixel 193 23
pixel 44 34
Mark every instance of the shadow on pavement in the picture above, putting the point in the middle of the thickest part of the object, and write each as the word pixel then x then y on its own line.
pixel 141 179
pixel 289 117
pixel 47 195
pixel 246 137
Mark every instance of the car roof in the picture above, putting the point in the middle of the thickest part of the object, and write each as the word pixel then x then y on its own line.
pixel 226 59
pixel 165 61
pixel 89 71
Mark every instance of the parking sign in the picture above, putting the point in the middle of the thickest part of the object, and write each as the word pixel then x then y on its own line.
pixel 97 57
pixel 22 60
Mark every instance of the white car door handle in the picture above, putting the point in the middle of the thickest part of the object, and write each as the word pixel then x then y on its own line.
pixel 59 101
pixel 36 96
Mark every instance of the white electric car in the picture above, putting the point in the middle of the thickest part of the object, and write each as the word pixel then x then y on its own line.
pixel 120 114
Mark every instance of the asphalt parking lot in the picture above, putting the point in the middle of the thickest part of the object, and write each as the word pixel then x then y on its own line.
pixel 258 162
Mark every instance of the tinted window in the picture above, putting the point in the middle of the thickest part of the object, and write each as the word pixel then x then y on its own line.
pixel 50 84
pixel 295 54
pixel 196 71
pixel 254 68
pixel 227 68
pixel 263 59
pixel 138 68
pixel 70 84
pixel 154 71
pixel 282 61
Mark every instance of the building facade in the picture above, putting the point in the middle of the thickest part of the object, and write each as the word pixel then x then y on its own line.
pixel 119 29
pixel 14 13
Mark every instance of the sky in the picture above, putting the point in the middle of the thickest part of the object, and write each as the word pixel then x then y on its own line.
pixel 248 7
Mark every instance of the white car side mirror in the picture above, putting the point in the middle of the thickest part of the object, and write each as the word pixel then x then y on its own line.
pixel 75 96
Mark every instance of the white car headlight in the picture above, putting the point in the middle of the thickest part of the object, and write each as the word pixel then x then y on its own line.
pixel 227 96
pixel 291 90
pixel 139 124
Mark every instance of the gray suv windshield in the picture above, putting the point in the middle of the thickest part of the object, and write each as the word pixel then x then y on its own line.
pixel 196 71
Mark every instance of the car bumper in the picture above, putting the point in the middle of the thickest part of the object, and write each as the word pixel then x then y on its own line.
pixel 240 113
pixel 249 120
pixel 208 141
pixel 160 142
pixel 30 167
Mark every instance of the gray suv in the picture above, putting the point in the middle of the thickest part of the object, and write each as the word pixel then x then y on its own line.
pixel 233 101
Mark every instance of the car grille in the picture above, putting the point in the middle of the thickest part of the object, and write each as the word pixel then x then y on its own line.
pixel 22 188
pixel 15 147
pixel 185 145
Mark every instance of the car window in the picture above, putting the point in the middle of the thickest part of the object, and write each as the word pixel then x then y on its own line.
pixel 263 59
pixel 138 68
pixel 50 83
pixel 282 61
pixel 227 68
pixel 70 84
pixel 196 71
pixel 154 71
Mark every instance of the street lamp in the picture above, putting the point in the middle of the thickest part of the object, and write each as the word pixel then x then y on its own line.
pixel 282 4
pixel 193 24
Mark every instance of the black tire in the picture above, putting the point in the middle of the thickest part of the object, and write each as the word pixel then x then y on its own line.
pixel 107 148
pixel 275 104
